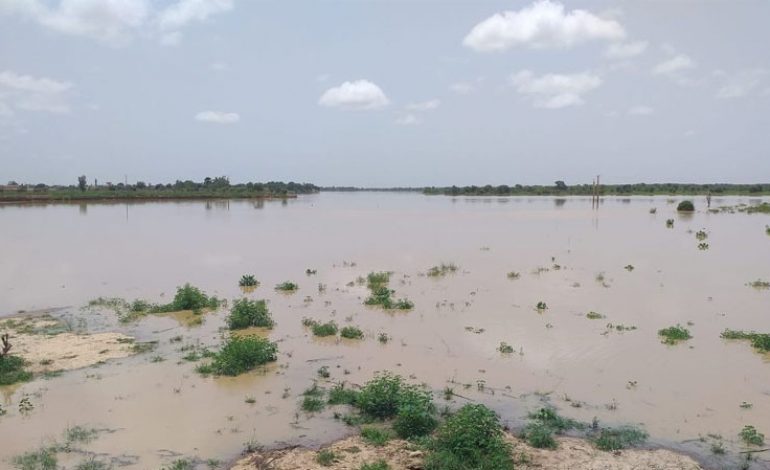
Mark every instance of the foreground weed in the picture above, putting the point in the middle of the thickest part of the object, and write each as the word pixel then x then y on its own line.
pixel 239 355
pixel 612 439
pixel 189 297
pixel 339 395
pixel 311 404
pixel 246 313
pixel 377 437
pixel 12 370
pixel 751 436
pixel 381 295
pixel 544 423
pixel 378 465
pixel 326 457
pixel 41 459
pixel 180 464
pixel 674 334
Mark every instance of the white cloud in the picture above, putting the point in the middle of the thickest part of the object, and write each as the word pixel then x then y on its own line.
pixel 555 91
pixel 674 66
pixel 116 22
pixel 640 110
pixel 542 24
pixel 742 83
pixel 424 105
pixel 462 88
pixel 217 117
pixel 625 50
pixel 358 94
pixel 408 120
pixel 28 93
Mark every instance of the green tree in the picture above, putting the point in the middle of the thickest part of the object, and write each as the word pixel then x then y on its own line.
pixel 82 183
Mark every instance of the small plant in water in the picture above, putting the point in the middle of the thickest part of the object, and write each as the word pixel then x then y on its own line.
pixel 613 439
pixel 505 348
pixel 351 332
pixel 760 284
pixel 701 235
pixel 442 270
pixel 760 341
pixel 703 246
pixel 324 329
pixel 685 206
pixel 383 338
pixel 513 275
pixel 751 436
pixel 239 355
pixel 287 286
pixel 541 306
pixel 248 280
pixel 629 267
pixel 594 316
pixel 674 334
pixel 670 223
pixel 246 313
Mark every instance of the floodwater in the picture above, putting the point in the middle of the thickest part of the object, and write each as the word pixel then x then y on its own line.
pixel 152 412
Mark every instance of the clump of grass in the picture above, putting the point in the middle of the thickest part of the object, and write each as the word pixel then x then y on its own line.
pixel 760 341
pixel 544 423
pixel 339 395
pixel 248 280
pixel 470 439
pixel 92 464
pixel 188 297
pixel 378 465
pixel 685 206
pixel 41 459
pixel 326 457
pixel 442 270
pixel 310 272
pixel 701 235
pixel 760 284
pixel 311 404
pixel 703 246
pixel 383 338
pixel 594 316
pixel 287 286
pixel 246 313
pixel 674 334
pixel 513 275
pixel 653 210
pixel 505 348
pixel 324 329
pixel 375 436
pixel 239 355
pixel 612 439
pixel 351 332
pixel 670 223
pixel 180 464
pixel 12 370
pixel 541 306
pixel 751 436
pixel 323 372
pixel 381 295
pixel 629 267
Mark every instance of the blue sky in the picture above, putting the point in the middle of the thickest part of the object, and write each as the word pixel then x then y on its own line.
pixel 388 93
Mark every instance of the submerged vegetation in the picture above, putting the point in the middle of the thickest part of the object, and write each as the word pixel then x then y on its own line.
pixel 187 297
pixel 685 206
pixel 750 436
pixel 351 332
pixel 562 189
pixel 760 284
pixel 239 355
pixel 674 334
pixel 381 294
pixel 613 439
pixel 247 313
pixel 248 280
pixel 760 341
pixel 11 367
pixel 442 270
pixel 287 286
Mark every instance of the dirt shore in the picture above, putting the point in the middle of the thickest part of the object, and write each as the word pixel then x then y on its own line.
pixel 572 454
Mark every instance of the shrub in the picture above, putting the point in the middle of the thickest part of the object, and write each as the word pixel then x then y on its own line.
pixel 239 355
pixel 416 413
pixel 188 298
pixel 760 341
pixel 324 329
pixel 685 206
pixel 312 404
pixel 339 395
pixel 287 286
pixel 41 459
pixel 326 457
pixel 539 436
pixel 351 332
pixel 674 334
pixel 381 294
pixel 12 370
pixel 380 397
pixel 472 438
pixel 619 438
pixel 442 270
pixel 505 348
pixel 378 465
pixel 751 436
pixel 543 424
pixel 246 313
pixel 594 316
pixel 541 305
pixel 377 437
pixel 379 279
pixel 248 280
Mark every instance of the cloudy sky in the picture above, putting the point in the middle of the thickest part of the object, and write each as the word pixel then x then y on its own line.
pixel 385 93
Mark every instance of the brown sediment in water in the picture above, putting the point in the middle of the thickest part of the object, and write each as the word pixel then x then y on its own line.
pixel 40 342
pixel 572 454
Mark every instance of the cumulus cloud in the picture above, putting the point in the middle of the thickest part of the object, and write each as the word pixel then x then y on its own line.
pixel 741 84
pixel 640 110
pixel 424 105
pixel 358 95
pixel 625 50
pixel 115 22
pixel 542 24
pixel 555 91
pixel 675 68
pixel 408 120
pixel 28 93
pixel 217 117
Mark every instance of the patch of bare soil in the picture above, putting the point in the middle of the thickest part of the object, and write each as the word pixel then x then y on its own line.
pixel 46 345
pixel 572 454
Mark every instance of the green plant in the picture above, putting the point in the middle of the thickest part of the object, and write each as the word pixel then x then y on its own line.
pixel 12 370
pixel 339 395
pixel 541 305
pixel 513 275
pixel 248 280
pixel 416 413
pixel 180 464
pixel 505 348
pixel 442 270
pixel 378 465
pixel 351 332
pixel 543 424
pixel 471 439
pixel 670 223
pixel 760 341
pixel 674 334
pixel 760 284
pixel 612 439
pixel 751 436
pixel 375 436
pixel 383 338
pixel 323 372
pixel 377 283
pixel 287 286
pixel 701 235
pixel 594 316
pixel 380 397
pixel 239 355
pixel 312 404
pixel 41 459
pixel 326 457
pixel 685 206
pixel 324 329
pixel 539 436
pixel 188 297
pixel 246 313
pixel 92 464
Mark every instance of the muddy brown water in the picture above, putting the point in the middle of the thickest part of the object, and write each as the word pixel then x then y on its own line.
pixel 152 412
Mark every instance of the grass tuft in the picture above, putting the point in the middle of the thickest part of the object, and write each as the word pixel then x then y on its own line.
pixel 246 313
pixel 239 355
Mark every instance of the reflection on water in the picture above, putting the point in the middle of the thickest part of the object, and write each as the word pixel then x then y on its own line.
pixel 451 336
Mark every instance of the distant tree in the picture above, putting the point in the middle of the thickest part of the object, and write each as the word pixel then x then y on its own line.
pixel 141 185
pixel 82 182
pixel 13 183
pixel 561 185
pixel 206 181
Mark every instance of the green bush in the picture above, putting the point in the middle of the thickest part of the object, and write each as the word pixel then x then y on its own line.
pixel 674 334
pixel 685 206
pixel 380 397
pixel 377 437
pixel 324 329
pixel 188 297
pixel 326 457
pixel 239 355
pixel 619 438
pixel 248 280
pixel 287 286
pixel 351 332
pixel 539 436
pixel 544 423
pixel 312 404
pixel 472 438
pixel 751 436
pixel 12 370
pixel 246 313
pixel 416 415
pixel 41 459
pixel 339 395
pixel 760 341
pixel 381 294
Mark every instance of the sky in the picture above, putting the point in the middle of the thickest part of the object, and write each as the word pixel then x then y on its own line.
pixel 385 93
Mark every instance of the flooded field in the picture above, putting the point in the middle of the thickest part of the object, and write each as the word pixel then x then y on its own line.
pixel 620 261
